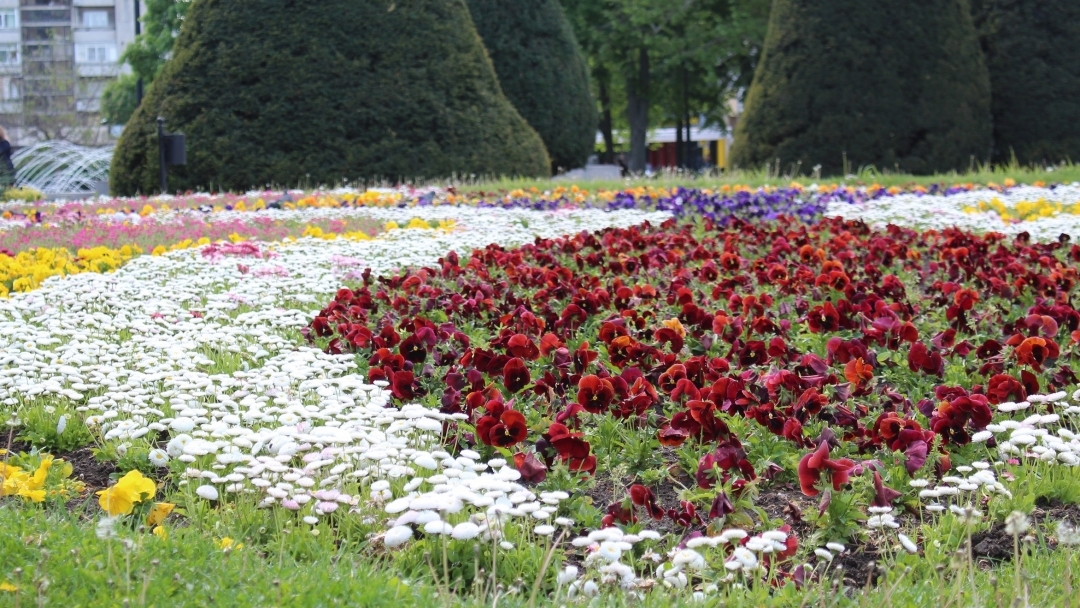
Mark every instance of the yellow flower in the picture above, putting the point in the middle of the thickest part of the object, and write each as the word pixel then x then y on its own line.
pixel 228 544
pixel 391 225
pixel 160 532
pixel 17 482
pixel 676 326
pixel 8 587
pixel 121 498
pixel 158 514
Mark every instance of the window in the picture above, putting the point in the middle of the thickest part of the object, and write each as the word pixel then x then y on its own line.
pixel 95 53
pixel 9 54
pixel 9 89
pixel 8 19
pixel 96 18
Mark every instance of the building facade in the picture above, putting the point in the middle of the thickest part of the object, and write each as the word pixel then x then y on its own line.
pixel 56 56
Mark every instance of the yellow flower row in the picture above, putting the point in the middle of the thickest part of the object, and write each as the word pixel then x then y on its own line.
pixel 28 269
pixel 1024 210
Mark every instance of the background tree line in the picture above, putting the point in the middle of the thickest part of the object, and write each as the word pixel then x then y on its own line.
pixel 917 86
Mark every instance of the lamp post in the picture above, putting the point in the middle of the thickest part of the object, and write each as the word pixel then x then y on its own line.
pixel 163 173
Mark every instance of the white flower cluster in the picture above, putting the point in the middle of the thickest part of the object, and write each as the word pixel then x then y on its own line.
pixel 479 496
pixel 937 212
pixel 978 480
pixel 1044 437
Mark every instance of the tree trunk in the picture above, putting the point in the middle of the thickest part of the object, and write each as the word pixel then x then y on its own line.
pixel 608 156
pixel 637 112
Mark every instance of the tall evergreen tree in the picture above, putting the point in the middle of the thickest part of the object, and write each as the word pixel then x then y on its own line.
pixel 286 92
pixel 897 85
pixel 542 72
pixel 1032 49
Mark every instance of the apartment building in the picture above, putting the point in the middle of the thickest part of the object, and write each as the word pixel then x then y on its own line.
pixel 56 56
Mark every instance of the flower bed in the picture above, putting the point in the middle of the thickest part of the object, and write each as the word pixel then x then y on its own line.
pixel 587 401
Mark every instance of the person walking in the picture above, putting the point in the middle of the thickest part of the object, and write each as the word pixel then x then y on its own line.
pixel 7 168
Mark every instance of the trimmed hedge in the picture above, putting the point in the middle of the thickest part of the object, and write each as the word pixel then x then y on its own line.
pixel 1032 49
pixel 898 85
pixel 287 93
pixel 542 72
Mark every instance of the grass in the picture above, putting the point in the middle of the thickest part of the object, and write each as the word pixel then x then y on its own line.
pixel 55 556
pixel 1064 173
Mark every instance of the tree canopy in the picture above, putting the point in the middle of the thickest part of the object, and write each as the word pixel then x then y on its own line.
pixel 541 70
pixel 643 52
pixel 896 85
pixel 1032 49
pixel 146 55
pixel 262 101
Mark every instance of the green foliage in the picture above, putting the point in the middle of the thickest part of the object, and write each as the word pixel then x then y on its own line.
pixel 118 100
pixel 644 51
pixel 898 85
pixel 542 72
pixel 41 428
pixel 1032 53
pixel 263 101
pixel 146 55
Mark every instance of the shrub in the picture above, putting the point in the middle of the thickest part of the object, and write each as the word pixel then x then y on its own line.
pixel 1032 50
pixel 279 93
pixel 898 85
pixel 542 72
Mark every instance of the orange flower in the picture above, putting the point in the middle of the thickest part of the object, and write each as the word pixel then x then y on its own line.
pixel 1034 351
pixel 858 371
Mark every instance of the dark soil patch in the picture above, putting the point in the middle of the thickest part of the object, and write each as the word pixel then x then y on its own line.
pixel 996 544
pixel 992 544
pixel 787 503
pixel 16 446
pixel 88 469
pixel 607 490
pixel 859 567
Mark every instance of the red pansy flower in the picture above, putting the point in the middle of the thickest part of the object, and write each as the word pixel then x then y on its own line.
pixel 515 375
pixel 817 463
pixel 644 497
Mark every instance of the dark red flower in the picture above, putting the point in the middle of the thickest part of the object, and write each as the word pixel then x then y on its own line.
pixel 951 418
pixel 817 463
pixel 721 506
pixel 515 375
pixel 883 495
pixel 530 467
pixel 549 343
pixel 728 456
pixel 922 359
pixel 502 427
pixel 644 497
pixel 520 345
pixel 1003 388
pixel 686 515
pixel 572 450
pixel 595 394
pixel 402 385
pixel 823 318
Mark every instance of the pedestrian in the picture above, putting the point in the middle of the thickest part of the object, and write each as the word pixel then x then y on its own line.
pixel 7 168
